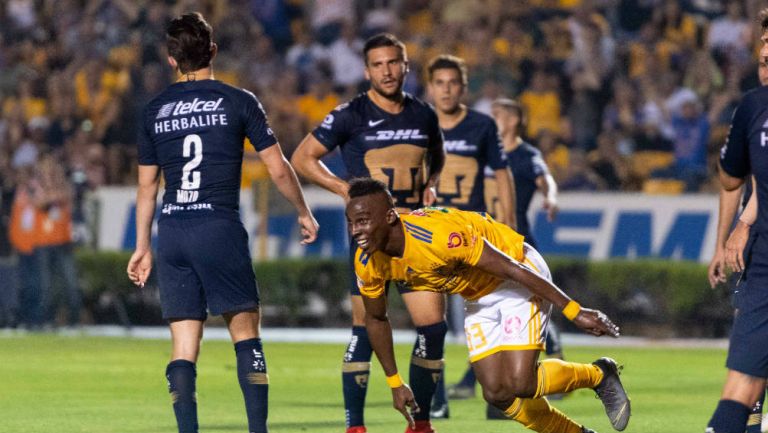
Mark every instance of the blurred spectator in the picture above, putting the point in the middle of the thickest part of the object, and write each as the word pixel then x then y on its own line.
pixel 23 237
pixel 319 101
pixel 542 103
pixel 729 35
pixel 52 196
pixel 345 56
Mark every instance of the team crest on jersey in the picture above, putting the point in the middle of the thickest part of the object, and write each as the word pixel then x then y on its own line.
pixel 327 122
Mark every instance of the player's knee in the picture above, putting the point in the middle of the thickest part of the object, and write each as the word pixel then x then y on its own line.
pixel 498 395
pixel 430 341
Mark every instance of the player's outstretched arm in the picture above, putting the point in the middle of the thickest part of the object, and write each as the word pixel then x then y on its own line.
pixel 306 160
pixel 502 266
pixel 380 335
pixel 140 264
pixel 287 183
pixel 728 205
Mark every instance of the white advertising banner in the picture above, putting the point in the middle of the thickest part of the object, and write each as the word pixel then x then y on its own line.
pixel 590 225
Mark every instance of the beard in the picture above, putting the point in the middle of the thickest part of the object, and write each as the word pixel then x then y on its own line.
pixel 392 93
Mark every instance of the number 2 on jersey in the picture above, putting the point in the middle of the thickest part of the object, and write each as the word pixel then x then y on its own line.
pixel 193 144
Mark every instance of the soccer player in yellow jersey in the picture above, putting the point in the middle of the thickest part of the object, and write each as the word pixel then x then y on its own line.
pixel 509 295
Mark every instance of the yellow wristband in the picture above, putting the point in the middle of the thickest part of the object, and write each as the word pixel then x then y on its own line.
pixel 395 381
pixel 571 310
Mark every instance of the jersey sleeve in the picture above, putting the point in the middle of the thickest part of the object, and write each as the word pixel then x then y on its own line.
pixel 538 165
pixel 734 155
pixel 494 154
pixel 257 127
pixel 147 151
pixel 336 128
pixel 370 283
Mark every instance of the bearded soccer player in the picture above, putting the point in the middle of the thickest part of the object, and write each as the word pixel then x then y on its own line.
pixel 194 132
pixel 471 142
pixel 389 135
pixel 509 296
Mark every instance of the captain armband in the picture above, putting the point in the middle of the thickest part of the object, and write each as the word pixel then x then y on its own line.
pixel 571 310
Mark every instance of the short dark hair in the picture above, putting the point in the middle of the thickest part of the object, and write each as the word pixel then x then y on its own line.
pixel 447 61
pixel 362 186
pixel 190 41
pixel 764 20
pixel 383 40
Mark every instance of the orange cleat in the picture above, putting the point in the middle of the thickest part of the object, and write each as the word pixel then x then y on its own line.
pixel 423 426
pixel 357 429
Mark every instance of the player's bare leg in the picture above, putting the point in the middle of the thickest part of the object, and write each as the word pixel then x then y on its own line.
pixel 251 366
pixel 356 369
pixel 181 372
pixel 427 310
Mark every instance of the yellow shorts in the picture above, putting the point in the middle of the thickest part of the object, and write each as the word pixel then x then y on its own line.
pixel 510 317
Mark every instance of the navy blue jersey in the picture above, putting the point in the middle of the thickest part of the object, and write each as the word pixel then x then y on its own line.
pixel 745 150
pixel 195 132
pixel 470 146
pixel 527 165
pixel 388 147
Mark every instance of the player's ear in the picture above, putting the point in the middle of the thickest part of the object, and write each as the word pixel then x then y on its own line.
pixel 174 64
pixel 214 50
pixel 365 72
pixel 391 216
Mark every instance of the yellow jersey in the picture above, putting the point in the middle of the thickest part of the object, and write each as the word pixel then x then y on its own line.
pixel 442 247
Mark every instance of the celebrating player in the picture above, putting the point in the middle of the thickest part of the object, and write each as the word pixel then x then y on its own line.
pixel 509 298
pixel 471 143
pixel 194 132
pixel 388 135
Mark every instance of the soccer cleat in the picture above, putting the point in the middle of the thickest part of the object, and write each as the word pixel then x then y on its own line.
pixel 440 412
pixel 357 429
pixel 611 392
pixel 586 430
pixel 422 426
pixel 459 392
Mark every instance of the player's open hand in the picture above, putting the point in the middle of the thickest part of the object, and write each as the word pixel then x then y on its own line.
pixel 139 267
pixel 309 228
pixel 734 247
pixel 716 269
pixel 405 403
pixel 596 323
pixel 552 209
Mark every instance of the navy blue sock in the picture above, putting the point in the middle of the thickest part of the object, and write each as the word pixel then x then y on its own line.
pixel 427 365
pixel 756 416
pixel 254 381
pixel 181 376
pixel 354 375
pixel 729 417
pixel 469 380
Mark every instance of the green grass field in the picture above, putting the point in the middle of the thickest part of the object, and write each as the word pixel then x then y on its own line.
pixel 70 384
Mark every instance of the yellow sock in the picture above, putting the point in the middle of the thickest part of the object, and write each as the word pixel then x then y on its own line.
pixel 556 376
pixel 537 415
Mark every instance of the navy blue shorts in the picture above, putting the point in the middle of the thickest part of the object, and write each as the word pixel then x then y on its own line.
pixel 748 351
pixel 204 263
pixel 354 290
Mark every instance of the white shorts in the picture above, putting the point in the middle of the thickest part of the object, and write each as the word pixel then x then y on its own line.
pixel 510 317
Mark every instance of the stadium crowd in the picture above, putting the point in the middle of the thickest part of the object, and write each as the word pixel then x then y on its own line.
pixel 630 95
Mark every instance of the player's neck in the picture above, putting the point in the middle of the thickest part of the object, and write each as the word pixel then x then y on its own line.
pixel 391 104
pixel 449 119
pixel 396 243
pixel 511 142
pixel 200 74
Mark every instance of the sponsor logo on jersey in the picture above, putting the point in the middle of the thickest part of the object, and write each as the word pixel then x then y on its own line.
pixel 396 135
pixel 373 123
pixel 454 240
pixel 459 146
pixel 179 108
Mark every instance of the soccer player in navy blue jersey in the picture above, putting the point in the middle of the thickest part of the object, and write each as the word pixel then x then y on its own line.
pixel 391 136
pixel 194 133
pixel 472 144
pixel 744 154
